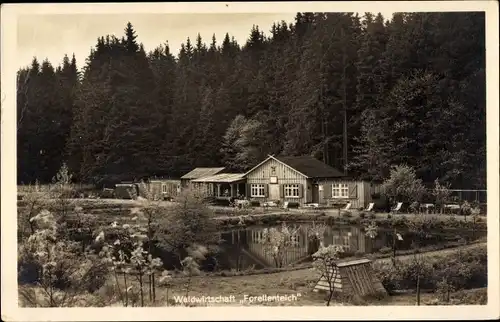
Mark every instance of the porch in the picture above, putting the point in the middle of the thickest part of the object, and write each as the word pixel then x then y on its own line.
pixel 224 186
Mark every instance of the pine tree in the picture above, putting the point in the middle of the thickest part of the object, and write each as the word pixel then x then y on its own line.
pixel 409 90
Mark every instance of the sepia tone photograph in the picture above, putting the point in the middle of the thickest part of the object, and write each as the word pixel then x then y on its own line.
pixel 309 158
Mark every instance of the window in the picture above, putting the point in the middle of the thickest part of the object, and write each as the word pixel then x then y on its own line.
pixel 340 190
pixel 347 241
pixel 291 191
pixel 164 188
pixel 257 190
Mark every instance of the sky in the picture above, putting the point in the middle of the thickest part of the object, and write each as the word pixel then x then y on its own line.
pixel 53 35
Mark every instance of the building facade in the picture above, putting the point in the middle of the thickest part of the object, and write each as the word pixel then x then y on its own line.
pixel 165 188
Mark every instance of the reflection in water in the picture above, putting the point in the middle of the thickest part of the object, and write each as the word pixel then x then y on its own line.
pixel 242 249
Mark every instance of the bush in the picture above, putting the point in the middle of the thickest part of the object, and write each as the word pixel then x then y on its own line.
pixel 346 215
pixel 476 297
pixel 28 267
pixel 190 222
pixel 400 222
pixel 403 185
pixel 385 250
pixel 388 275
pixel 452 222
pixel 254 203
pixel 359 253
pixel 362 215
pixel 463 270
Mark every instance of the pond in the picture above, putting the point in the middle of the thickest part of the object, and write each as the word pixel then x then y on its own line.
pixel 241 248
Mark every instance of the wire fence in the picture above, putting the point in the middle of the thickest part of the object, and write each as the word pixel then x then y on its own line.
pixel 461 195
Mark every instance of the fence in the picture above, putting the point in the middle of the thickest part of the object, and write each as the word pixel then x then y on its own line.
pixel 456 195
pixel 468 195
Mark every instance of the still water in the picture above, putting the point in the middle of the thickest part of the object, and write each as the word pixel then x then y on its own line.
pixel 241 248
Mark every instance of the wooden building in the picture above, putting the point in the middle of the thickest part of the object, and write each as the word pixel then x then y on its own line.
pixel 198 173
pixel 355 277
pixel 162 188
pixel 222 185
pixel 305 180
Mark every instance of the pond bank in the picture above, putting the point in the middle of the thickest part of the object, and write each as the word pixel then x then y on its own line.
pixel 433 250
pixel 238 220
pixel 228 217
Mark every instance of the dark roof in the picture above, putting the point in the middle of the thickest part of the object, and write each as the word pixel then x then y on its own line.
pixel 310 166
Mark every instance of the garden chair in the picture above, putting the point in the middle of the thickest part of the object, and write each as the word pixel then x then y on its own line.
pixel 370 206
pixel 397 208
pixel 451 208
pixel 347 207
pixel 427 208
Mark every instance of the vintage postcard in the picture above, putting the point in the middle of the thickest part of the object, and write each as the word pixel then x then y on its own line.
pixel 250 161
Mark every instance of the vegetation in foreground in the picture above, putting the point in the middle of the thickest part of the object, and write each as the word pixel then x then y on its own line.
pixel 67 259
pixel 290 282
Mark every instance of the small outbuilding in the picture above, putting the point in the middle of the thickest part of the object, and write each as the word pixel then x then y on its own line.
pixel 164 188
pixel 355 277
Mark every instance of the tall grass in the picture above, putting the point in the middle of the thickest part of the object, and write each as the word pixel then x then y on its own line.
pixel 25 188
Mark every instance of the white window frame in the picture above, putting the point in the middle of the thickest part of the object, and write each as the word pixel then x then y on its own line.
pixel 257 190
pixel 164 188
pixel 346 241
pixel 291 191
pixel 340 190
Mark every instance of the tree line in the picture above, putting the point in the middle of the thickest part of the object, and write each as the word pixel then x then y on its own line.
pixel 409 90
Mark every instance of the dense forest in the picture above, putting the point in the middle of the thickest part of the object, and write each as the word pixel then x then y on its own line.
pixel 409 90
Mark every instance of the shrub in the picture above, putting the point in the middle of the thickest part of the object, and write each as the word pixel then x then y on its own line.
pixel 400 222
pixel 254 203
pixel 346 215
pixel 465 209
pixel 57 266
pixel 476 297
pixel 403 185
pixel 362 215
pixel 324 262
pixel 359 253
pixel 441 194
pixel 189 222
pixel 443 289
pixel 385 250
pixel 388 275
pixel 452 222
pixel 414 207
pixel 27 265
pixel 389 216
pixel 460 269
pixel 346 254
